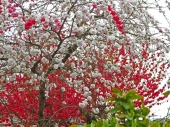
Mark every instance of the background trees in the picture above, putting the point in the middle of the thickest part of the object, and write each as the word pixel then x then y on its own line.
pixel 60 59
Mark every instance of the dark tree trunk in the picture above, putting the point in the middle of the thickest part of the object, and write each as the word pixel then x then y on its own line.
pixel 41 104
pixel 89 118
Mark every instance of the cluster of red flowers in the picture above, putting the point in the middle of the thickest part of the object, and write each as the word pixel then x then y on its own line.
pixel 42 19
pixel 117 20
pixel 94 5
pixel 44 23
pixel 137 76
pixel 22 100
pixel 57 25
pixel 29 23
pixel 12 10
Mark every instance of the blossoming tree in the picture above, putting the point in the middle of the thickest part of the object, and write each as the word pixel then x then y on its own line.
pixel 59 60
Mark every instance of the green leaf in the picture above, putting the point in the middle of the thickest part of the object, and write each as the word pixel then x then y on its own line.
pixel 130 115
pixel 113 122
pixel 134 123
pixel 73 126
pixel 128 123
pixel 166 93
pixel 105 124
pixel 99 123
pixel 126 105
pixel 133 95
pixel 166 123
pixel 117 92
pixel 115 109
pixel 145 111
pixel 87 125
pixel 145 122
pixel 122 116
pixel 131 92
pixel 155 124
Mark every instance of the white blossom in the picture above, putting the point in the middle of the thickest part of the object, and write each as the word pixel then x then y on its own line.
pixel 85 102
pixel 46 94
pixel 56 66
pixel 95 110
pixel 80 43
pixel 63 89
pixel 34 51
pixel 44 60
pixel 97 90
pixel 8 47
pixel 102 80
pixel 92 86
pixel 101 98
pixel 73 75
pixel 18 68
pixel 106 109
pixel 64 102
pixel 27 58
pixel 72 65
pixel 89 98
pixel 86 88
pixel 81 105
pixel 61 65
pixel 86 94
pixel 58 60
pixel 108 95
pixel 11 62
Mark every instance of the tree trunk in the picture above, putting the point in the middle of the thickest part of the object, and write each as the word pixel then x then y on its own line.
pixel 41 104
pixel 89 118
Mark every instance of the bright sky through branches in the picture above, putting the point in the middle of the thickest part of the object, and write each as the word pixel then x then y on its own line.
pixel 161 111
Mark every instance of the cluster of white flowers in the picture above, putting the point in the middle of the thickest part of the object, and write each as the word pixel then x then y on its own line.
pixel 44 60
pixel 34 51
pixel 95 110
pixel 95 74
pixel 58 60
pixel 11 62
pixel 83 104
pixel 18 68
pixel 87 92
pixel 63 89
pixel 8 47
pixel 92 86
pixel 46 93
pixel 50 86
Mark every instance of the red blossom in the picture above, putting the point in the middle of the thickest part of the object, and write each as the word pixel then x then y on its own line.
pixel 42 19
pixel 11 8
pixel 117 20
pixel 29 23
pixel 122 50
pixel 1 31
pixel 94 5
pixel 14 15
pixel 109 8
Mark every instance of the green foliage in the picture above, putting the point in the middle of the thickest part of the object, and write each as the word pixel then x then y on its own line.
pixel 166 93
pixel 124 114
pixel 112 122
